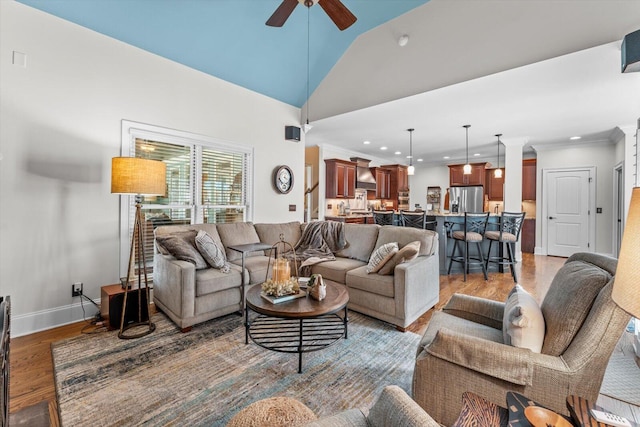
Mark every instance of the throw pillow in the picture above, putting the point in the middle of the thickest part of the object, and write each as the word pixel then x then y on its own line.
pixel 182 246
pixel 211 252
pixel 381 255
pixel 407 253
pixel 523 323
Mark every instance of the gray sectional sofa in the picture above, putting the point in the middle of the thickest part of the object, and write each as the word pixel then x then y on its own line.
pixel 190 296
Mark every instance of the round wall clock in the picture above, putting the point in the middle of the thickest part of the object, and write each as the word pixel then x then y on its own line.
pixel 283 179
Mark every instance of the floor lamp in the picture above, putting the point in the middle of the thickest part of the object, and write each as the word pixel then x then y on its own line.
pixel 133 175
pixel 626 287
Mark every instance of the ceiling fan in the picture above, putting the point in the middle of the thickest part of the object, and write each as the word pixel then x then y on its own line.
pixel 339 14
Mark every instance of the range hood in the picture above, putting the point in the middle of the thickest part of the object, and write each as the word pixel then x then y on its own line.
pixel 364 177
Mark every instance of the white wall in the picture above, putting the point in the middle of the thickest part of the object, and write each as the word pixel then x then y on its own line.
pixel 61 122
pixel 428 176
pixel 603 157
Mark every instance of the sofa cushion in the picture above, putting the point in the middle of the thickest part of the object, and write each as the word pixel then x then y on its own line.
pixel 523 324
pixel 336 270
pixel 270 233
pixel 238 233
pixel 212 252
pixel 380 256
pixel 403 235
pixel 360 240
pixel 568 301
pixel 256 267
pixel 407 253
pixel 182 245
pixel 210 280
pixel 373 283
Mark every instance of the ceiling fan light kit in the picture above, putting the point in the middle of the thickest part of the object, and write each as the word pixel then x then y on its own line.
pixel 466 169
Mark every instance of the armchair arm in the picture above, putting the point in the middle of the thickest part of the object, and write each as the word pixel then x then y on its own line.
pixel 475 309
pixel 394 407
pixel 416 286
pixel 497 360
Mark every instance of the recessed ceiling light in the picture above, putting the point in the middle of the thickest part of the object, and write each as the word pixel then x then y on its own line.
pixel 383 148
pixel 397 153
pixel 575 138
pixel 419 160
pixel 367 142
pixel 446 157
pixel 476 154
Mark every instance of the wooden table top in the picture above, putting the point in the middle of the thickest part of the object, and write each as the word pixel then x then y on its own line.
pixel 300 308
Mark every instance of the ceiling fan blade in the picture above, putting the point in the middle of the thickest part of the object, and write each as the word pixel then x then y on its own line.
pixel 339 14
pixel 282 13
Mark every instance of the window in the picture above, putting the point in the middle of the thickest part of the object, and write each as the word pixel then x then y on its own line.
pixel 208 181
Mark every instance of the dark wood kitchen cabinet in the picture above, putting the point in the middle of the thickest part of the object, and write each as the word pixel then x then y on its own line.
pixel 399 179
pixel 383 182
pixel 457 176
pixel 528 235
pixel 340 179
pixel 529 179
pixel 494 186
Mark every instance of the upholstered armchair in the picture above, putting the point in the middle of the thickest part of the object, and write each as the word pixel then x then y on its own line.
pixel 464 349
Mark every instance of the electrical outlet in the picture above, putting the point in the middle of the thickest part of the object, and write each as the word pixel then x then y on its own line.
pixel 76 289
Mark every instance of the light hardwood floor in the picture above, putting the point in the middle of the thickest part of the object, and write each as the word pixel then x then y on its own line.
pixel 32 368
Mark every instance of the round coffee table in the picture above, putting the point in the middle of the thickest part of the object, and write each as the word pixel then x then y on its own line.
pixel 297 326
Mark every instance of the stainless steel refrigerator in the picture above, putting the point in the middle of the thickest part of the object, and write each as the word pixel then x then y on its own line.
pixel 466 199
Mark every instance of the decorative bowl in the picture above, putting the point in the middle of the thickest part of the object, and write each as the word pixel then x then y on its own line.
pixel 541 417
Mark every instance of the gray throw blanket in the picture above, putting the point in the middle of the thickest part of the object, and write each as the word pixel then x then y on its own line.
pixel 319 241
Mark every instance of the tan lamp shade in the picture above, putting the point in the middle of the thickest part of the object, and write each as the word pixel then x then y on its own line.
pixel 626 288
pixel 133 175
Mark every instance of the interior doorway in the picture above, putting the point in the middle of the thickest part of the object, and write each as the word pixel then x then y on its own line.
pixel 569 201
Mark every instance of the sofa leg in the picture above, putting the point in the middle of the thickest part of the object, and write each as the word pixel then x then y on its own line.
pixel 185 330
pixel 401 329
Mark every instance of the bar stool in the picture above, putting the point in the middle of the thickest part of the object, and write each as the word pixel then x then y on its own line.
pixel 475 225
pixel 509 233
pixel 413 219
pixel 383 217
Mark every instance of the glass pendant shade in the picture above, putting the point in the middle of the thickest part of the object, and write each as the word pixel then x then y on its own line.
pixel 466 169
pixel 498 173
pixel 411 170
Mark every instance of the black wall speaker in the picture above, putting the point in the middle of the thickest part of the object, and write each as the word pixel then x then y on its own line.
pixel 131 313
pixel 631 52
pixel 292 133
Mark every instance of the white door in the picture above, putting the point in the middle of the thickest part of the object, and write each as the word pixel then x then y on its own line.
pixel 568 212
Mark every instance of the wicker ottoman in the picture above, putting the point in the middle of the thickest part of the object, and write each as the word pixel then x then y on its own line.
pixel 273 412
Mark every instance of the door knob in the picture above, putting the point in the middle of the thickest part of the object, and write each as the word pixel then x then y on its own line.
pixel 552 217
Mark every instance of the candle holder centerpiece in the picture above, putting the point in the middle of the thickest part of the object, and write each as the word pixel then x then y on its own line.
pixel 281 283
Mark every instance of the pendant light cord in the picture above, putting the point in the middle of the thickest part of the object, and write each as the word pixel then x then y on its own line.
pixel 308 53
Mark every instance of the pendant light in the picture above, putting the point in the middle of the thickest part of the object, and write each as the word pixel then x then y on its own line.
pixel 498 172
pixel 411 169
pixel 467 167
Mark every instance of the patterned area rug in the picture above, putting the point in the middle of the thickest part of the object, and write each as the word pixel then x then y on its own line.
pixel 202 378
pixel 622 379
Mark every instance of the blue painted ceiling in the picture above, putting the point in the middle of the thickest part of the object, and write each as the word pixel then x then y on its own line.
pixel 229 39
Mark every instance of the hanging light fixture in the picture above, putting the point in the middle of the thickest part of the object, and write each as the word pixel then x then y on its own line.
pixel 411 169
pixel 498 172
pixel 467 167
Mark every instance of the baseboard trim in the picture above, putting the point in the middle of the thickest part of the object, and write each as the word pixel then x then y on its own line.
pixel 29 323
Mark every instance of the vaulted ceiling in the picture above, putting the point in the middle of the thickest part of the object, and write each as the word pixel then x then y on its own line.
pixel 536 70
